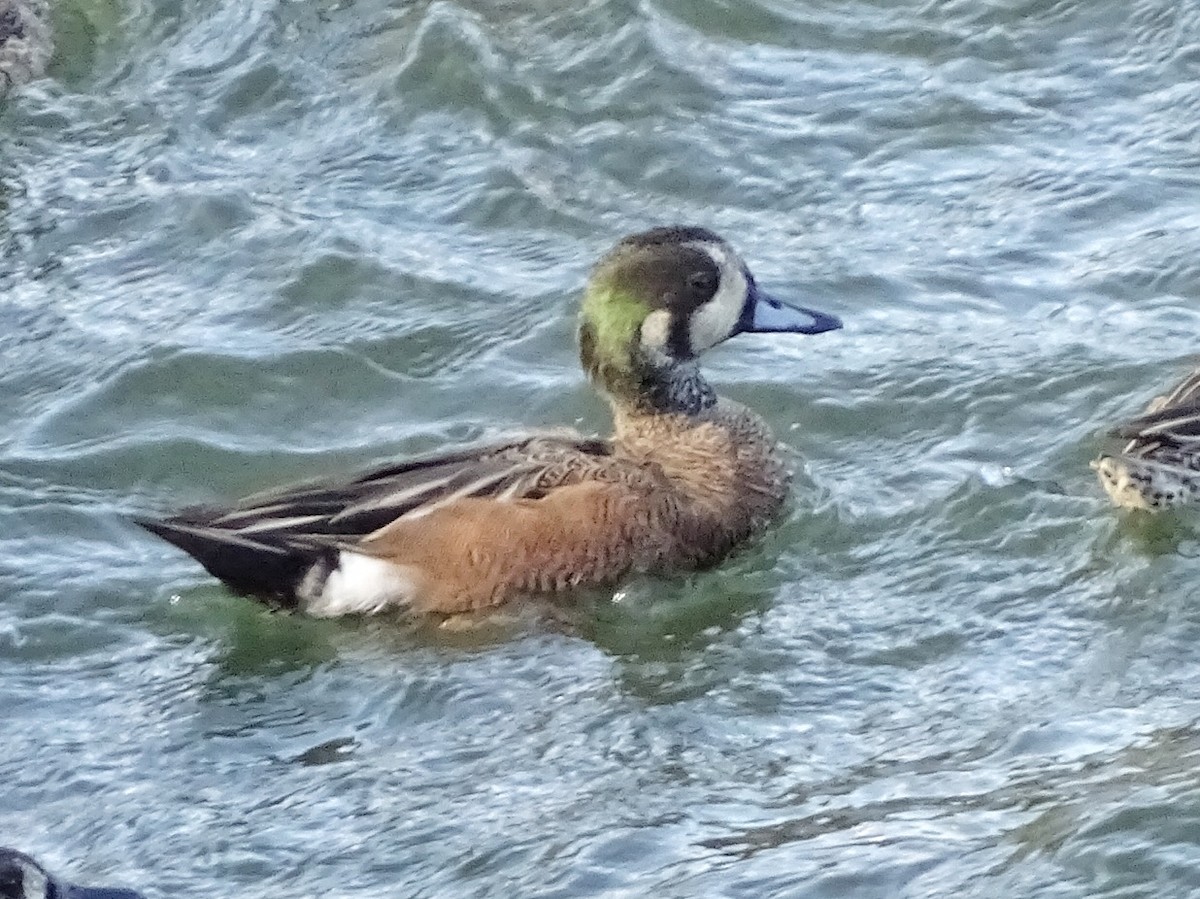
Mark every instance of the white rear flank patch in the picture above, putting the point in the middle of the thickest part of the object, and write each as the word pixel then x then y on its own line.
pixel 716 319
pixel 360 585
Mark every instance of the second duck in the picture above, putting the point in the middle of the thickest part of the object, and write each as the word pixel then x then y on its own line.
pixel 1159 467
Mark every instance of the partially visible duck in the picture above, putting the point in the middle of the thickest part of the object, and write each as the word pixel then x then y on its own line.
pixel 26 42
pixel 23 878
pixel 687 476
pixel 1159 466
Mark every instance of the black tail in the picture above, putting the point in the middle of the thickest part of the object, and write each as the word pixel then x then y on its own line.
pixel 267 569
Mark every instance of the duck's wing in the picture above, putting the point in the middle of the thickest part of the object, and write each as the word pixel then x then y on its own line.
pixel 267 543
pixel 1172 420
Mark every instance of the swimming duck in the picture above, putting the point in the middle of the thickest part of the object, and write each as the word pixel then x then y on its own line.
pixel 23 878
pixel 686 477
pixel 25 41
pixel 1160 465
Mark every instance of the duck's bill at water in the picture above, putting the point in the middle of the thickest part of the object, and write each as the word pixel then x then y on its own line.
pixel 765 314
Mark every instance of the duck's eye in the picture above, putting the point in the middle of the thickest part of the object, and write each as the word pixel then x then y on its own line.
pixel 703 282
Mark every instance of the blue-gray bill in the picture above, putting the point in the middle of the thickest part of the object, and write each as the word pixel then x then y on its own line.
pixel 765 314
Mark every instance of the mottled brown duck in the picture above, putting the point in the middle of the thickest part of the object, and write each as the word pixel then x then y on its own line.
pixel 1159 465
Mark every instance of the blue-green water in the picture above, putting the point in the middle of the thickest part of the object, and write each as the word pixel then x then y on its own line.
pixel 247 241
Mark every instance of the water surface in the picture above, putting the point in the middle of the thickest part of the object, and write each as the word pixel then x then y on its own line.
pixel 249 241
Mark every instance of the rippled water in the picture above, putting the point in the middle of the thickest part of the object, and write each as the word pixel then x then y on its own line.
pixel 247 241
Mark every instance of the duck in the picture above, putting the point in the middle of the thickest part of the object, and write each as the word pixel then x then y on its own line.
pixel 686 477
pixel 26 41
pixel 21 877
pixel 1159 466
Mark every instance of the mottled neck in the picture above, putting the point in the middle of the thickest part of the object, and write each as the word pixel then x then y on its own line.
pixel 637 377
pixel 671 386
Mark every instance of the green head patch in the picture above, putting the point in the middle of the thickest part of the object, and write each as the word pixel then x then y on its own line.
pixel 652 275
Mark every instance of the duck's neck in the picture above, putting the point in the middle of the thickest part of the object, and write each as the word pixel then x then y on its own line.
pixel 668 386
pixel 655 386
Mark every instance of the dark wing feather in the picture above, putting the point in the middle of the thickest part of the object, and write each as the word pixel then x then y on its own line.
pixel 267 543
pixel 1173 422
pixel 270 569
pixel 1186 392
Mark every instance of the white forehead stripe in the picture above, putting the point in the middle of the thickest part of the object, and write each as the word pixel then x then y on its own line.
pixel 716 319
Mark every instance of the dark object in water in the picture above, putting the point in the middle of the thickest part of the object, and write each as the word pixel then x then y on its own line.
pixel 26 41
pixel 23 878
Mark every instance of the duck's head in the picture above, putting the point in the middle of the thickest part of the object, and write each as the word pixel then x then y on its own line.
pixel 659 299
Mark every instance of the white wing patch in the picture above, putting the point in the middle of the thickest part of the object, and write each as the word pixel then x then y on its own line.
pixel 716 319
pixel 360 585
